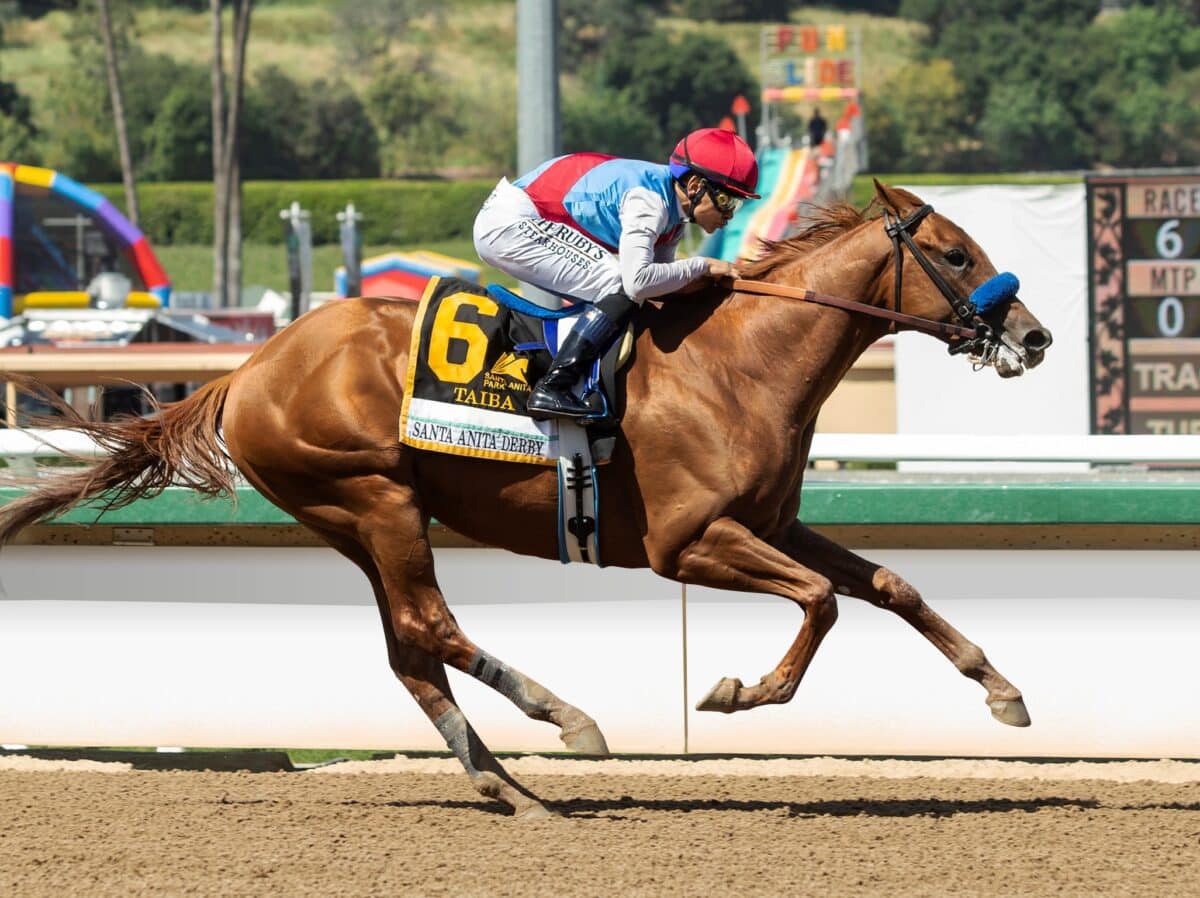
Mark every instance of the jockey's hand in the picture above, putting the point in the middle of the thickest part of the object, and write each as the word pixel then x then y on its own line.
pixel 719 268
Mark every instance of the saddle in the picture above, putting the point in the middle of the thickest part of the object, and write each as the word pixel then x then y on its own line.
pixel 476 353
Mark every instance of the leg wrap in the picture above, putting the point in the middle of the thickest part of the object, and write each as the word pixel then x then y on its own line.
pixel 495 673
pixel 459 739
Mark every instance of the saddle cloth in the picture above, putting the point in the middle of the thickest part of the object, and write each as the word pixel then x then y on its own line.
pixel 472 364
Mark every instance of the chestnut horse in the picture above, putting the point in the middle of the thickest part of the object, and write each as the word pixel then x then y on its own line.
pixel 704 488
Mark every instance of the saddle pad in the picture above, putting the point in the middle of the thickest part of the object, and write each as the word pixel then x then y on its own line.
pixel 468 383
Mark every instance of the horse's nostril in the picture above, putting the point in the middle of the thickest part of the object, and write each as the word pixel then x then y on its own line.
pixel 1037 340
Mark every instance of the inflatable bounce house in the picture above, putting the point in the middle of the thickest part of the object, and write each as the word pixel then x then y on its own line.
pixel 405 274
pixel 64 246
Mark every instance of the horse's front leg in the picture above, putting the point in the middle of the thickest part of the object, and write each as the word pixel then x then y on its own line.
pixel 857 577
pixel 728 556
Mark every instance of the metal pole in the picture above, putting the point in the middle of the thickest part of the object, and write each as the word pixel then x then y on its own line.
pixel 763 138
pixel 298 236
pixel 537 83
pixel 80 261
pixel 686 708
pixel 351 241
pixel 538 132
pixel 304 230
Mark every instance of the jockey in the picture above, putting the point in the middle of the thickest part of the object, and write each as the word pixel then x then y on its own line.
pixel 604 230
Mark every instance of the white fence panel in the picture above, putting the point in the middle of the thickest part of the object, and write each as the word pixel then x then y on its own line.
pixel 282 647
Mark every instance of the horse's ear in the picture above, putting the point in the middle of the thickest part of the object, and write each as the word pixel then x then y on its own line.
pixel 897 199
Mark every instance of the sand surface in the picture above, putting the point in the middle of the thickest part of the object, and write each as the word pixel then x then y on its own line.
pixel 699 829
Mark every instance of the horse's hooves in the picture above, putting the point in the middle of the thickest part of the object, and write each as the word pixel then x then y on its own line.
pixel 1010 711
pixel 535 811
pixel 721 697
pixel 587 740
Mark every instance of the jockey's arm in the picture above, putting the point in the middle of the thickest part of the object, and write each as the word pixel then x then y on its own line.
pixel 648 270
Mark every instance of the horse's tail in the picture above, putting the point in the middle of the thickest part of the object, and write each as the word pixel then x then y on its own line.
pixel 180 444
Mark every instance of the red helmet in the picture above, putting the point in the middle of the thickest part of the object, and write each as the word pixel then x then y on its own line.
pixel 720 156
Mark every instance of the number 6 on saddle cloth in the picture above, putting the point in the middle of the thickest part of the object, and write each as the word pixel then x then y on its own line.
pixel 474 357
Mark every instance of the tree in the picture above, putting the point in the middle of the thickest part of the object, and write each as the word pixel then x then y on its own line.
pixel 227 181
pixel 1025 126
pixel 179 141
pixel 338 140
pixel 489 127
pixel 78 102
pixel 82 142
pixel 606 121
pixel 276 112
pixel 366 29
pixel 34 9
pixel 117 100
pixel 917 119
pixel 17 132
pixel 1132 89
pixel 1047 83
pixel 737 10
pixel 1180 144
pixel 586 28
pixel 683 83
pixel 417 116
pixel 16 141
pixel 319 131
pixel 876 7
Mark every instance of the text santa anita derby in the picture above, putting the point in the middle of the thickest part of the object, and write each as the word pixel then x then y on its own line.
pixel 723 395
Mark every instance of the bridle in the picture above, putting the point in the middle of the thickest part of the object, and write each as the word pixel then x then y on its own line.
pixel 976 335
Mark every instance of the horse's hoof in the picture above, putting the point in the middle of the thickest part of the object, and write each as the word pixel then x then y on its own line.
pixel 721 697
pixel 1010 711
pixel 535 811
pixel 587 740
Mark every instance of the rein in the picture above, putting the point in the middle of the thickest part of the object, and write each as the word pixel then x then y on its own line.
pixel 929 326
pixel 977 335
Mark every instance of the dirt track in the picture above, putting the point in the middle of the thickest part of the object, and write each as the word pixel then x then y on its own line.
pixel 96 833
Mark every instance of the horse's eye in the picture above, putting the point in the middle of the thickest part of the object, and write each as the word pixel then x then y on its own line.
pixel 955 258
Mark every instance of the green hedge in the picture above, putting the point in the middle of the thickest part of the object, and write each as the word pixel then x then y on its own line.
pixel 394 212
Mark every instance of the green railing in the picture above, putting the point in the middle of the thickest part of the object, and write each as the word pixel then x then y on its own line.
pixel 824 503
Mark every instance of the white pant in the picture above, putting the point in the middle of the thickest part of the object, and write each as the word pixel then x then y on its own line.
pixel 512 236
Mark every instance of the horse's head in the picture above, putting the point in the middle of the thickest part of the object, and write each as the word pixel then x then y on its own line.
pixel 1010 337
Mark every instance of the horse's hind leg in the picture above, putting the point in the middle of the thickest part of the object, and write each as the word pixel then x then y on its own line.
pixel 425 678
pixel 395 534
pixel 857 577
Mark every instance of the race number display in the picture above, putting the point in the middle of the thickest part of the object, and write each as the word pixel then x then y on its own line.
pixel 1144 290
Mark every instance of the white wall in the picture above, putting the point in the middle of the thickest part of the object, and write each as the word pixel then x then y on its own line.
pixel 281 647
pixel 1039 234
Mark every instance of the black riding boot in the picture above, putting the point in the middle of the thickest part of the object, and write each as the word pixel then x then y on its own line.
pixel 552 396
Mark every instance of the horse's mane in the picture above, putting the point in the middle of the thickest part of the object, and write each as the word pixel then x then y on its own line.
pixel 825 223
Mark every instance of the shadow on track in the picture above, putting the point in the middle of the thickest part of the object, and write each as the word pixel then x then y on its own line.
pixel 585 808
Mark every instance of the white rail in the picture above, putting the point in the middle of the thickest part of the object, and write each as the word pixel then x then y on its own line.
pixel 874 447
pixel 16 444
pixel 1099 448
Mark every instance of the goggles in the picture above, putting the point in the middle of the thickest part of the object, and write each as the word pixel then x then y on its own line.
pixel 726 202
